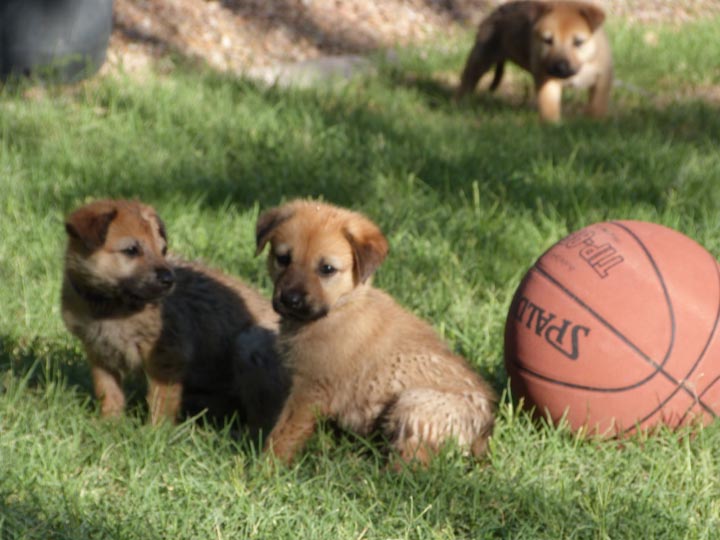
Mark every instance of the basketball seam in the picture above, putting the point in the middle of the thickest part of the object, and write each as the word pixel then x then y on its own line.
pixel 657 367
pixel 698 397
pixel 679 384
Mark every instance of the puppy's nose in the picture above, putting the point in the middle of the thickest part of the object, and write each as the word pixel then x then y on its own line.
pixel 165 276
pixel 292 298
pixel 561 69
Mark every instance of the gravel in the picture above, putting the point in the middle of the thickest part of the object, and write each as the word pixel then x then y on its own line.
pixel 244 35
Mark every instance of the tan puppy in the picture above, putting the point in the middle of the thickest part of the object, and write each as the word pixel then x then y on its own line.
pixel 188 327
pixel 355 355
pixel 559 43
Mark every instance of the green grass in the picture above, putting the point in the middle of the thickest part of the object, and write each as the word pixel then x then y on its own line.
pixel 469 196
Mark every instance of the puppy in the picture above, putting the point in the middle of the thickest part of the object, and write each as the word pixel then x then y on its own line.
pixel 355 355
pixel 191 329
pixel 559 43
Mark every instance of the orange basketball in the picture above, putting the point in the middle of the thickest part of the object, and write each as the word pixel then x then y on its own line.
pixel 615 327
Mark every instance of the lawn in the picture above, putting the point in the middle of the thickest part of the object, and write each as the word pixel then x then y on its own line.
pixel 469 196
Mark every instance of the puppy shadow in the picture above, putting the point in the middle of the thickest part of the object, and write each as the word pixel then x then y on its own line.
pixel 483 102
pixel 438 91
pixel 37 363
pixel 435 91
pixel 34 362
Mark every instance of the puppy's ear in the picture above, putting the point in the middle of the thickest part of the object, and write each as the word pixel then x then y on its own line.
pixel 90 225
pixel 369 247
pixel 152 215
pixel 161 228
pixel 162 231
pixel 537 10
pixel 149 213
pixel 267 222
pixel 592 14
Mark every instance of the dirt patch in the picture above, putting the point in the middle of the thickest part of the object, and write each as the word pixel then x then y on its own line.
pixel 236 35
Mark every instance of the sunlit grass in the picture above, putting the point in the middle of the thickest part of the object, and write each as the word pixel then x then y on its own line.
pixel 469 195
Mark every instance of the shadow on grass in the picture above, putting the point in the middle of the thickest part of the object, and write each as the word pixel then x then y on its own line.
pixel 34 517
pixel 40 363
pixel 439 94
pixel 633 158
pixel 337 144
pixel 582 163
pixel 529 508
pixel 362 146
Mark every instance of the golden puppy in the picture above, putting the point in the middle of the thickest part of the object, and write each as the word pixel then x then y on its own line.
pixel 192 330
pixel 355 355
pixel 559 43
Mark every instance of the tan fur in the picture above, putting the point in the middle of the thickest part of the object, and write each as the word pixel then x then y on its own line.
pixel 355 355
pixel 559 43
pixel 192 330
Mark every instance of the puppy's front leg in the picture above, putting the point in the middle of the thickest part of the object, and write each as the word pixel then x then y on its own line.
pixel 296 424
pixel 108 389
pixel 599 96
pixel 549 98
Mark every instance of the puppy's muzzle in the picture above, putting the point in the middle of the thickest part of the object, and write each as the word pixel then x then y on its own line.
pixel 152 285
pixel 292 300
pixel 165 277
pixel 293 303
pixel 561 69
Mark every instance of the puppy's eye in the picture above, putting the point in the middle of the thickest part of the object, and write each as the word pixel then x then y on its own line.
pixel 164 251
pixel 132 251
pixel 283 260
pixel 578 41
pixel 547 39
pixel 327 269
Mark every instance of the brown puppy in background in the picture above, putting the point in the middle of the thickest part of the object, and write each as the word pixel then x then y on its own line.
pixel 355 355
pixel 194 331
pixel 559 43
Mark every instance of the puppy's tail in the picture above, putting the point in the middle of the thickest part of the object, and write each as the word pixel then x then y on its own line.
pixel 422 420
pixel 499 71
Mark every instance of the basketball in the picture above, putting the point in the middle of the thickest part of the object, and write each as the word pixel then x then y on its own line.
pixel 615 329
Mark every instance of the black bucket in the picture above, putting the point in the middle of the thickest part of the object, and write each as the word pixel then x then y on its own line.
pixel 53 40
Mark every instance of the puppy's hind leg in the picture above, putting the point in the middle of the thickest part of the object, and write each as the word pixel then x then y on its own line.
pixel 499 71
pixel 479 61
pixel 599 97
pixel 423 420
